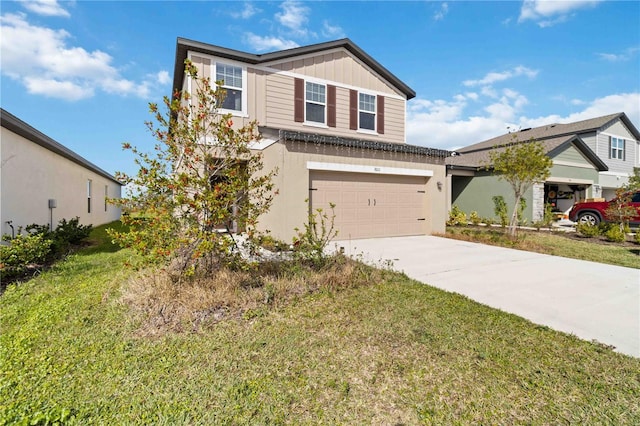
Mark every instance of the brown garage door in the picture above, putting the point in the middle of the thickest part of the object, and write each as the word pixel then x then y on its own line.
pixel 371 205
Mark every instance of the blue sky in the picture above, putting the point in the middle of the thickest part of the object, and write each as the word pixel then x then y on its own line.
pixel 83 72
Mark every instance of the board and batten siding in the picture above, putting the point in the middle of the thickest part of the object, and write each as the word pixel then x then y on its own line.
pixel 572 155
pixel 270 94
pixel 339 67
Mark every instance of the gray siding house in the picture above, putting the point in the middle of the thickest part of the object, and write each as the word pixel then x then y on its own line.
pixel 591 158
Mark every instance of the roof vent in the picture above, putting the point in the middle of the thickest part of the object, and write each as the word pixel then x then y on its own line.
pixel 524 130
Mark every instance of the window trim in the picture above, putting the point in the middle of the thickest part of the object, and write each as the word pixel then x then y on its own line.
pixel 374 113
pixel 325 104
pixel 617 152
pixel 89 196
pixel 243 96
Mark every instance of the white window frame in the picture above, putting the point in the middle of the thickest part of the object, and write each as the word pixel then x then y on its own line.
pixel 310 101
pixel 374 113
pixel 617 148
pixel 88 196
pixel 243 96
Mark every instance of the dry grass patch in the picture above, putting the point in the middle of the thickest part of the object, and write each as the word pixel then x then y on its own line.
pixel 160 304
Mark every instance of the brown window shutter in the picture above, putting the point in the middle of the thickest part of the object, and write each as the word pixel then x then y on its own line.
pixel 609 146
pixel 624 150
pixel 331 106
pixel 353 109
pixel 380 112
pixel 298 106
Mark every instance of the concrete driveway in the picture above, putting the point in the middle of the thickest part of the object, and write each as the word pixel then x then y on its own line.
pixel 591 300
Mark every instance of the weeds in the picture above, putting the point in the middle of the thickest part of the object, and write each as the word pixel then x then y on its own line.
pixel 162 306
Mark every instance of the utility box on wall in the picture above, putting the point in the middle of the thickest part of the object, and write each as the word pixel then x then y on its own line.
pixel 52 203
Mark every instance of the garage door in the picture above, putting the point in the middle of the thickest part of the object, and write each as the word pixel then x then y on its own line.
pixel 371 205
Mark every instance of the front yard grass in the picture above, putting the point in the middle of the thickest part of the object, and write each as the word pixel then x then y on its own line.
pixel 557 243
pixel 391 352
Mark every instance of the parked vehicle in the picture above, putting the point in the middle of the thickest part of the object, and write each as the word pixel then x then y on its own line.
pixel 594 212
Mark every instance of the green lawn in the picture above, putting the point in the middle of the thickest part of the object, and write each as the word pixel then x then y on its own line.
pixel 554 243
pixel 391 352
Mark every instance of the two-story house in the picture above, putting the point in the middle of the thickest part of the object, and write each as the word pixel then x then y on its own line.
pixel 591 158
pixel 332 121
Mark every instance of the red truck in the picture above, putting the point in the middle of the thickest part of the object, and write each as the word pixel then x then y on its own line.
pixel 593 212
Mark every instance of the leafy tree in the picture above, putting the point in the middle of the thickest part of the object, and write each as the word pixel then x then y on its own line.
pixel 620 210
pixel 202 177
pixel 521 164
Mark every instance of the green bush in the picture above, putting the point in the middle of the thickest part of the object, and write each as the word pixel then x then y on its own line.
pixel 457 216
pixel 23 251
pixel 488 221
pixel 588 230
pixel 522 221
pixel 615 234
pixel 500 209
pixel 310 244
pixel 636 238
pixel 39 245
pixel 474 218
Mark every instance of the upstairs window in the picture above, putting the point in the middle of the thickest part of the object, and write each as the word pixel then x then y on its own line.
pixel 617 148
pixel 315 102
pixel 367 112
pixel 230 78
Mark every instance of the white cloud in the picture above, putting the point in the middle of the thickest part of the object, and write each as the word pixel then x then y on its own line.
pixel 57 89
pixel 260 43
pixel 550 12
pixel 444 124
pixel 629 103
pixel 441 13
pixel 163 77
pixel 331 31
pixel 626 55
pixel 41 60
pixel 294 16
pixel 248 10
pixel 45 7
pixel 494 77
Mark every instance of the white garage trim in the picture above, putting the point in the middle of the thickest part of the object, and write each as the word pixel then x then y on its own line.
pixel 359 168
pixel 553 179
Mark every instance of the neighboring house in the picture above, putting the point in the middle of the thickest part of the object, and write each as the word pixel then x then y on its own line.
pixel 43 182
pixel 574 175
pixel 333 124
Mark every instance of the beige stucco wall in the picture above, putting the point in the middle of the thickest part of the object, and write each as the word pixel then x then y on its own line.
pixel 289 209
pixel 31 175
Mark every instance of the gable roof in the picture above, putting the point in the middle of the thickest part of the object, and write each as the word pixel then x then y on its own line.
pixel 555 130
pixel 183 46
pixel 19 127
pixel 478 159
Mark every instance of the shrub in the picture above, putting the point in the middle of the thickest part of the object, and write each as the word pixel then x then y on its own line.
pixel 23 251
pixel 588 230
pixel 615 234
pixel 520 213
pixel 488 221
pixel 457 216
pixel 319 230
pixel 474 218
pixel 636 238
pixel 39 245
pixel 500 209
